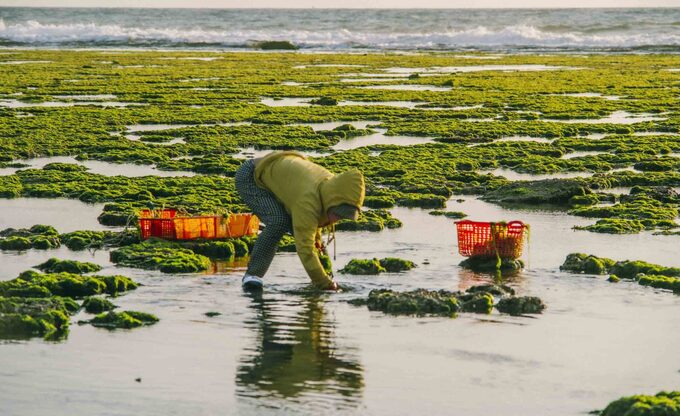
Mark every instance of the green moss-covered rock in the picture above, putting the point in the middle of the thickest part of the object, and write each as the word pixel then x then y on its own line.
pixel 95 304
pixel 269 45
pixel 15 243
pixel 34 284
pixel 613 278
pixel 659 282
pixel 213 249
pixel 477 302
pixel 363 266
pixel 520 305
pixel 614 226
pixel 324 101
pixel 630 269
pixel 34 317
pixel 449 214
pixel 125 320
pixel 168 257
pixel 584 263
pixel 493 289
pixel 491 264
pixel 55 265
pixel 549 191
pixel 396 265
pixel 370 220
pixel 661 404
pixel 417 302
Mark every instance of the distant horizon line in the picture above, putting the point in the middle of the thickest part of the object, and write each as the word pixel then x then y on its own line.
pixel 340 8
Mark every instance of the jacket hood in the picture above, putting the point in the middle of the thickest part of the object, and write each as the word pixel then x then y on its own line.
pixel 344 188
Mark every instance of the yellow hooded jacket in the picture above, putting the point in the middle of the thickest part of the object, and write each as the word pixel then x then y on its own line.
pixel 307 190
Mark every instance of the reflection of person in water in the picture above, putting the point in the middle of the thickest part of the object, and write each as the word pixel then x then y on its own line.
pixel 296 354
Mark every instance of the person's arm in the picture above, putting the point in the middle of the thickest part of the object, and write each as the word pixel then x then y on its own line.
pixel 305 231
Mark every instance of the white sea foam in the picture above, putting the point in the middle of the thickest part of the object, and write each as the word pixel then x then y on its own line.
pixel 36 32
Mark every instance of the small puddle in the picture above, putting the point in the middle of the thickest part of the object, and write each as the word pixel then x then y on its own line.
pixel 406 87
pixel 517 176
pixel 21 104
pixel 654 133
pixel 476 68
pixel 252 153
pixel 330 125
pixel 524 139
pixel 573 155
pixel 24 62
pixel 130 170
pixel 617 117
pixel 379 138
pixel 374 79
pixel 328 66
pixel 65 215
pixel 86 97
pixel 589 95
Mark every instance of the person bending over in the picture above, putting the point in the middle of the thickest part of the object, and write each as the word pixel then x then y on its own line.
pixel 291 194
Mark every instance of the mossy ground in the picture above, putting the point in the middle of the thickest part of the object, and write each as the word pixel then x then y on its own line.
pixel 224 115
pixel 661 404
pixel 646 274
pixel 476 299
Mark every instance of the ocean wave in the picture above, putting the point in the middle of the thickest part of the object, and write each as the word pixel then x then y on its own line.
pixel 35 33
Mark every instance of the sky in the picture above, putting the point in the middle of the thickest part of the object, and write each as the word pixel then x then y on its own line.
pixel 341 3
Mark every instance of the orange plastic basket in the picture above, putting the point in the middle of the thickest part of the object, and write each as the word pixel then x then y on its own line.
pixel 167 225
pixel 488 239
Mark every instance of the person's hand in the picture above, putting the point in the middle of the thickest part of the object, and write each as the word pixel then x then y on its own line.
pixel 333 286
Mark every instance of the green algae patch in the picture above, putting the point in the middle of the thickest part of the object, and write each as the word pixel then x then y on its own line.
pixel 15 243
pixel 220 249
pixel 520 305
pixel 40 237
pixel 477 299
pixel 646 274
pixel 370 220
pixel 123 320
pixel 396 265
pixel 86 239
pixel 614 226
pixel 324 101
pixel 476 302
pixel 363 267
pixel 659 282
pixel 96 304
pixel 55 265
pixel 491 264
pixel 34 284
pixel 269 45
pixel 166 256
pixel 456 215
pixel 549 191
pixel 417 302
pixel 22 318
pixel 630 216
pixel 661 404
pixel 377 266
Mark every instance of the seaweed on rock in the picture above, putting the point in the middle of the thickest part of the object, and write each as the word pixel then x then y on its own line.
pixel 96 304
pixel 124 320
pixel 375 266
pixel 661 404
pixel 520 305
pixel 55 265
pixel 34 284
pixel 32 317
pixel 166 256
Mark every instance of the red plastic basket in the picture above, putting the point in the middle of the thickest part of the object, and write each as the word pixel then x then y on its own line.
pixel 167 225
pixel 488 239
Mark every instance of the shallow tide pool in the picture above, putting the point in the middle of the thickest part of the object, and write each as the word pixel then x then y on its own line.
pixel 290 352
